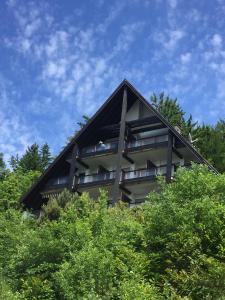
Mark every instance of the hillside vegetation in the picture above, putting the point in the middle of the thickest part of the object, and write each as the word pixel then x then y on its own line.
pixel 172 247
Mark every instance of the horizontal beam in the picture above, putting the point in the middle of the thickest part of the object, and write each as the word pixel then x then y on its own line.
pixel 128 158
pixel 143 121
pixel 82 163
pixel 123 188
pixel 178 154
pixel 125 198
pixel 149 128
pixel 102 169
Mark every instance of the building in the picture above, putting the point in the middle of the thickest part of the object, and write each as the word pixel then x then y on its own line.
pixel 122 148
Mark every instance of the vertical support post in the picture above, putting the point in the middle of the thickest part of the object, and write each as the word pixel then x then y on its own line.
pixel 73 167
pixel 120 148
pixel 169 157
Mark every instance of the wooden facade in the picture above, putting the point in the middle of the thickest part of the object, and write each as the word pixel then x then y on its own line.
pixel 122 148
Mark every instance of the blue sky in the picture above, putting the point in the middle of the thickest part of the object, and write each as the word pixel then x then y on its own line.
pixel 62 59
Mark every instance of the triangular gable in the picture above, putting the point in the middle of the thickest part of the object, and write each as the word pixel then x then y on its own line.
pixel 112 104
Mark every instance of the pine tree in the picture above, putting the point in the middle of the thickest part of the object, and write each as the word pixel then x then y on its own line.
pixel 31 159
pixel 81 124
pixel 2 167
pixel 211 143
pixel 172 111
pixel 45 156
pixel 14 162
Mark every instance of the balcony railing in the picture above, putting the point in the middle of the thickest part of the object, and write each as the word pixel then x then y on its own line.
pixel 58 181
pixel 96 177
pixel 147 141
pixel 101 147
pixel 92 178
pixel 140 173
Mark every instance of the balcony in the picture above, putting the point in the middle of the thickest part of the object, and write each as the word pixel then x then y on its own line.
pixel 144 173
pixel 62 180
pixel 148 141
pixel 96 178
pixel 99 148
pixel 140 173
pixel 111 147
pixel 54 186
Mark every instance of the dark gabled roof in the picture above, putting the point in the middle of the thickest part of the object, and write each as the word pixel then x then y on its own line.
pixel 70 145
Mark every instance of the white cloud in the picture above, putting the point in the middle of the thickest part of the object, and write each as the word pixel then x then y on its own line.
pixel 172 3
pixel 169 39
pixel 185 58
pixel 78 65
pixel 217 40
pixel 126 37
pixel 174 37
pixel 15 134
pixel 114 12
pixel 71 66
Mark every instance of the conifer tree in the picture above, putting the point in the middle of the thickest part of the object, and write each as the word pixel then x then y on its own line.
pixel 14 162
pixel 172 111
pixel 211 144
pixel 46 157
pixel 33 159
pixel 2 166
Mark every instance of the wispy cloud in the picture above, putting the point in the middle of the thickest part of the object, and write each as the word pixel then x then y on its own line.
pixel 172 3
pixel 65 60
pixel 72 69
pixel 217 40
pixel 15 134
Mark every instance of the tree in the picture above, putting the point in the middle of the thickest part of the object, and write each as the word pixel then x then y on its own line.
pixel 14 162
pixel 2 167
pixel 46 157
pixel 172 111
pixel 184 230
pixel 171 247
pixel 33 159
pixel 81 124
pixel 209 140
pixel 14 185
pixel 211 143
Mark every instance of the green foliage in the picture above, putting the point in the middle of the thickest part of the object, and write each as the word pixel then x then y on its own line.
pixel 185 231
pixel 6 292
pixel 14 185
pixel 33 159
pixel 81 124
pixel 209 140
pixel 172 111
pixel 211 143
pixel 45 156
pixel 172 247
pixel 2 167
pixel 84 121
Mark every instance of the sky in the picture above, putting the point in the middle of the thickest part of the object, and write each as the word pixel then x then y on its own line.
pixel 62 59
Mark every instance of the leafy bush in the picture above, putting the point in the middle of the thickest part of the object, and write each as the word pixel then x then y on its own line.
pixel 172 247
pixel 14 185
